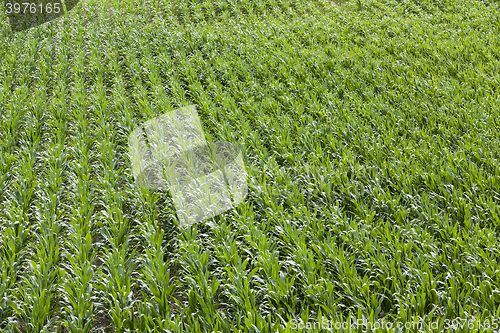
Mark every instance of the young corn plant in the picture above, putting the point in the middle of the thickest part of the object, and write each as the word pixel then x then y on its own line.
pixel 78 289
pixel 119 259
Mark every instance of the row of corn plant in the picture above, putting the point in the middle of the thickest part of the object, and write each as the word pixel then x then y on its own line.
pixel 116 281
pixel 157 288
pixel 36 293
pixel 79 287
pixel 15 225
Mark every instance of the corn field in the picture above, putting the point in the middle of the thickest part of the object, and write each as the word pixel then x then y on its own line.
pixel 370 133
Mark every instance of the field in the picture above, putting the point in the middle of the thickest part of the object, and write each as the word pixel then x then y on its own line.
pixel 371 139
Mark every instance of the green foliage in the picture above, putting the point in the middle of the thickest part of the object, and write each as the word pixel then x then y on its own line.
pixel 370 135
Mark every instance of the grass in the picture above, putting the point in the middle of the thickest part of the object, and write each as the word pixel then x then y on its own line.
pixel 370 134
